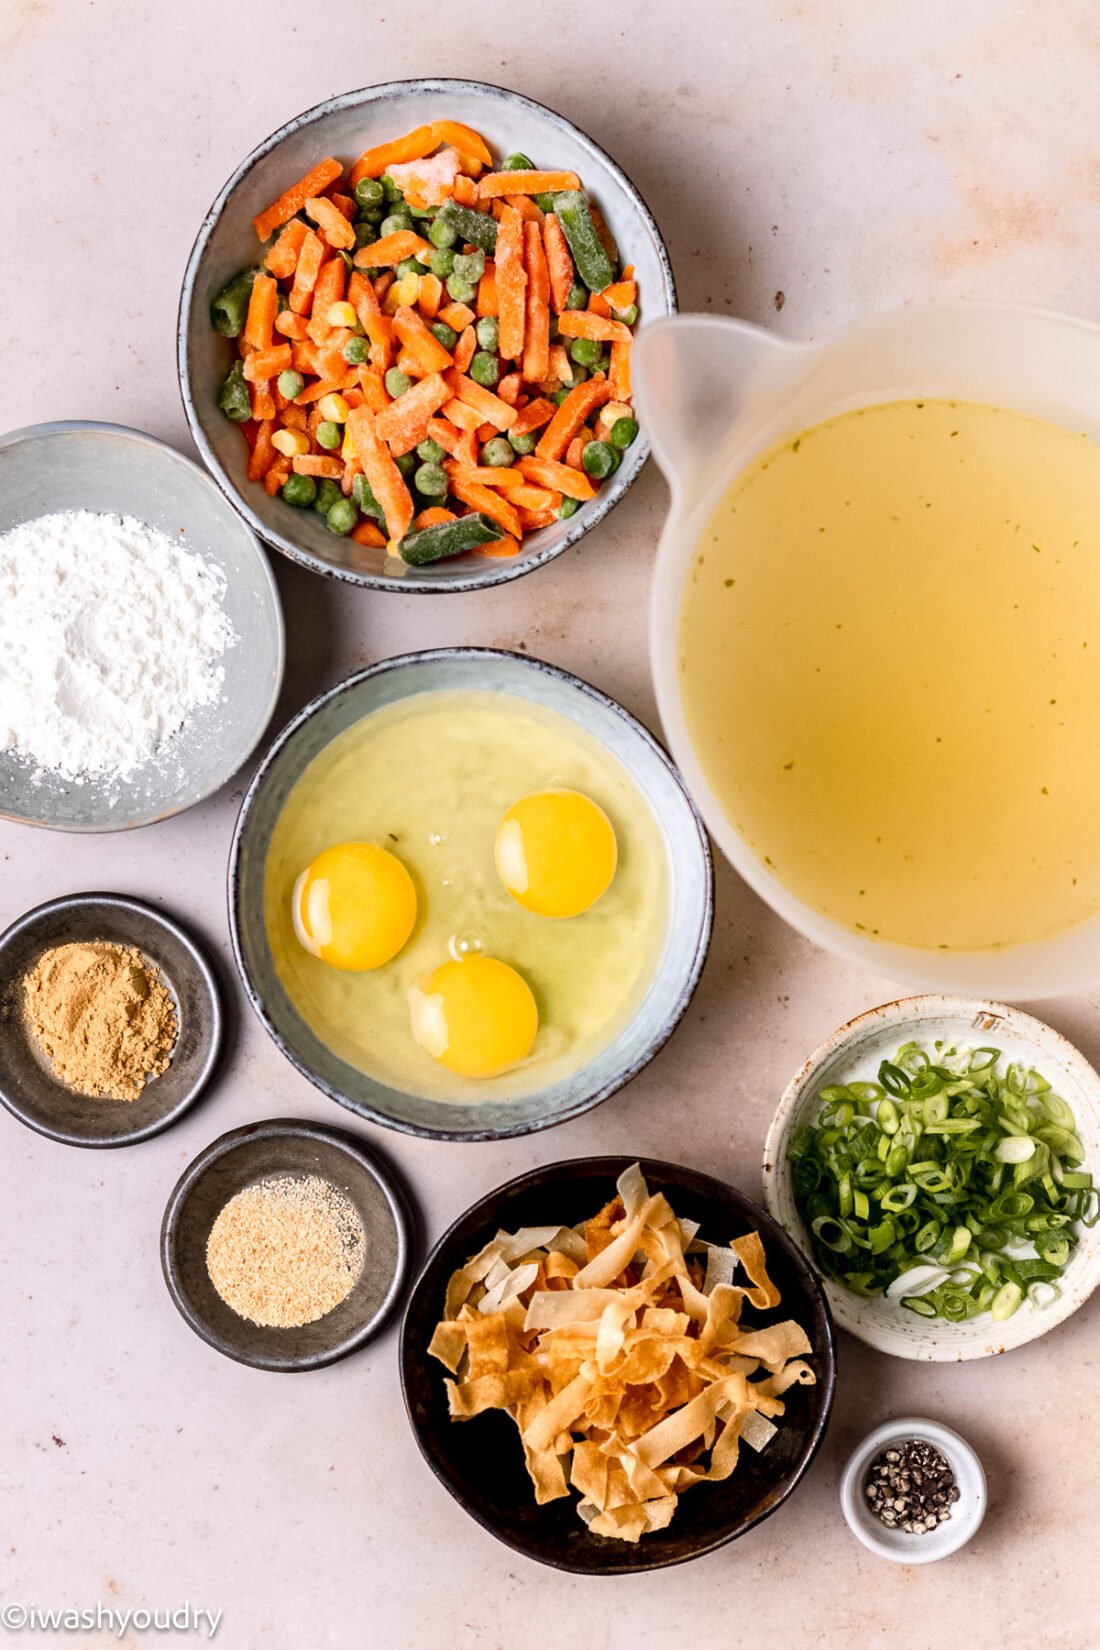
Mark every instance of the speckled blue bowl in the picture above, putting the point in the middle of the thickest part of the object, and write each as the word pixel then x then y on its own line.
pixel 344 127
pixel 688 868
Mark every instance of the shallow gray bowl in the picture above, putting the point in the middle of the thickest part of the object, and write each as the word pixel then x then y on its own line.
pixel 114 470
pixel 344 127
pixel 28 1087
pixel 286 1146
pixel 688 869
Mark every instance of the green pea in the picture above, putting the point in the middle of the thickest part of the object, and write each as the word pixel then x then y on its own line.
pixel 585 351
pixel 406 464
pixel 578 297
pixel 299 491
pixel 290 383
pixel 431 480
pixel 470 266
pixel 411 266
pixel 329 435
pixel 342 516
pixel 442 263
pixel 446 335
pixel 522 444
pixel 396 222
pixel 230 308
pixel 598 459
pixel 234 398
pixel 356 351
pixel 365 233
pixel 485 369
pixel 544 202
pixel 623 432
pixel 568 507
pixel 518 163
pixel 390 190
pixel 463 292
pixel 369 193
pixel 431 452
pixel 442 234
pixel 397 382
pixel 558 396
pixel 488 332
pixel 579 375
pixel 497 452
pixel 627 316
pixel 328 494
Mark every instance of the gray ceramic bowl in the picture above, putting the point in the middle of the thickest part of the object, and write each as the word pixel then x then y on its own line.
pixel 28 1087
pixel 344 127
pixel 286 1146
pixel 107 468
pixel 689 873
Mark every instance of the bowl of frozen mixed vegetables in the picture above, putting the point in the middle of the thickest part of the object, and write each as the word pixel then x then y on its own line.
pixel 405 335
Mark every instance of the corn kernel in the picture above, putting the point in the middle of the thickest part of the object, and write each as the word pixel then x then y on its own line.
pixel 290 442
pixel 408 289
pixel 393 300
pixel 334 408
pixel 348 449
pixel 341 314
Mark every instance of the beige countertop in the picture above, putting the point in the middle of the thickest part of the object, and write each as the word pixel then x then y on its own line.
pixel 807 162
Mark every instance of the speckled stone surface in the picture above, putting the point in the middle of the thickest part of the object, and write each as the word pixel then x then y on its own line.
pixel 845 157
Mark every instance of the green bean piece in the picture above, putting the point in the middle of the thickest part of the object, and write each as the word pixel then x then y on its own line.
pixel 299 491
pixel 446 335
pixel 233 396
pixel 329 435
pixel 420 212
pixel 558 396
pixel 518 163
pixel 449 538
pixel 474 228
pixel 585 351
pixel 442 234
pixel 290 383
pixel 497 452
pixel 431 480
pixel 390 190
pixel 578 297
pixel 342 517
pixel 356 351
pixel 623 432
pixel 568 507
pixel 406 463
pixel 396 222
pixel 598 459
pixel 397 382
pixel 369 193
pixel 523 444
pixel 485 369
pixel 544 202
pixel 470 266
pixel 593 264
pixel 328 492
pixel 230 308
pixel 463 292
pixel 488 332
pixel 430 451
pixel 363 495
pixel 365 234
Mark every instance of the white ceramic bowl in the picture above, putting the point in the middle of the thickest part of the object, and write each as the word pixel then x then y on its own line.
pixel 896 1545
pixel 855 1052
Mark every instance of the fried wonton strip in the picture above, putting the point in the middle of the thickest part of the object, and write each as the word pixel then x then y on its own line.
pixel 773 1346
pixel 560 1412
pixel 750 1252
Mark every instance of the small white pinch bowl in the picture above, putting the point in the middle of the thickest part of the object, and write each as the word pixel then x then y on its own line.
pixel 898 1545
pixel 854 1052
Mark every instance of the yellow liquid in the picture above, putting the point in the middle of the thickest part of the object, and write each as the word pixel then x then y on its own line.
pixel 890 653
pixel 429 779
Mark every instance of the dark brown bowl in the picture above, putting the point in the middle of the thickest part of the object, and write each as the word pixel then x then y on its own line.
pixel 481 1462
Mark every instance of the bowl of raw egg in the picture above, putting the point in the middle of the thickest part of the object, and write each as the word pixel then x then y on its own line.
pixel 469 895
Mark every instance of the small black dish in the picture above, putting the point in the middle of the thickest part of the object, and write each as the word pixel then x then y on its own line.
pixel 280 1146
pixel 481 1462
pixel 28 1087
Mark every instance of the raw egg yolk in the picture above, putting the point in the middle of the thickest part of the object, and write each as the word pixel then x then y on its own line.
pixel 354 906
pixel 477 1017
pixel 556 852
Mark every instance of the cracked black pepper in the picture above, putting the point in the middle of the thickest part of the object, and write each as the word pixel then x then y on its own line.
pixel 911 1487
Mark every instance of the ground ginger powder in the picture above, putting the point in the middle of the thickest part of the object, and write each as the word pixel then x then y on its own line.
pixel 103 1017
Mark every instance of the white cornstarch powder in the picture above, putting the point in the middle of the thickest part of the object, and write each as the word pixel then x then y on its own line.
pixel 110 633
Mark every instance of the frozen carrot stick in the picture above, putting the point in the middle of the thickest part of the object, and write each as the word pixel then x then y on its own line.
pixel 571 416
pixel 533 417
pixel 525 183
pixel 267 363
pixel 465 349
pixel 501 549
pixel 374 389
pixel 263 453
pixel 560 369
pixel 581 323
pixel 404 422
pixel 490 503
pixel 487 301
pixel 310 259
pixel 332 223
pixel 457 316
pixel 620 372
pixel 370 535
pixel 536 348
pixel 386 481
pixel 314 391
pixel 292 326
pixel 277 476
pixel 282 260
pixel 462 138
pixel 443 431
pixel 574 454
pixel 598 305
pixel 489 407
pixel 532 520
pixel 317 464
pixel 414 333
pixel 413 146
pixel 464 190
pixel 509 387
pixel 263 306
pixel 465 417
pixel 621 294
pixel 486 475
pixel 534 498
pixel 328 288
pixel 525 206
pixel 344 204
pixel 361 295
pixel 430 296
pixel 434 516
pixel 559 261
pixel 393 249
pixel 561 478
pixel 511 283
pixel 293 199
